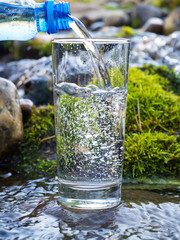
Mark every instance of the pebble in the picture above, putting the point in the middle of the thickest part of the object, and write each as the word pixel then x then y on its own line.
pixel 151 48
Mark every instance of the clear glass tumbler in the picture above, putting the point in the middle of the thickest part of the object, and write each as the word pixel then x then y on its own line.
pixel 90 79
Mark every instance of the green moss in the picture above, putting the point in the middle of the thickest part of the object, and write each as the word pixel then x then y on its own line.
pixel 136 22
pixel 153 118
pixel 126 32
pixel 151 154
pixel 34 48
pixel 6 47
pixel 158 109
pixel 166 4
pixel 110 8
pixel 36 156
pixel 170 80
pixel 152 107
pixel 150 103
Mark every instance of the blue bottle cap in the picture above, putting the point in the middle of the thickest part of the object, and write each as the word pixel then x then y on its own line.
pixel 57 16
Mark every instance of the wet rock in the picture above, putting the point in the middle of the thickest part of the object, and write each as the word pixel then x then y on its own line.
pixel 154 25
pixel 143 12
pixel 11 125
pixel 93 16
pixel 171 62
pixel 33 78
pixel 177 70
pixel 94 12
pixel 174 40
pixel 150 48
pixel 172 22
pixel 26 108
pixel 14 70
pixel 78 9
pixel 18 71
pixel 138 59
pixel 38 89
pixel 116 18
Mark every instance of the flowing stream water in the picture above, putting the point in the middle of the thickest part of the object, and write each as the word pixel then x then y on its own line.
pixel 29 210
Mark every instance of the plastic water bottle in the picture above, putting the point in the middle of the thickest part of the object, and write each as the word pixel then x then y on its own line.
pixel 23 19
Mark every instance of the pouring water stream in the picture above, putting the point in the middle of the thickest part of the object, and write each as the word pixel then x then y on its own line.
pixel 97 61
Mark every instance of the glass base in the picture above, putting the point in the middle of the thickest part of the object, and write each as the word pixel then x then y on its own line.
pixel 89 197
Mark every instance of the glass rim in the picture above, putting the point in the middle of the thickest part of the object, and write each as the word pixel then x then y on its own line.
pixel 95 40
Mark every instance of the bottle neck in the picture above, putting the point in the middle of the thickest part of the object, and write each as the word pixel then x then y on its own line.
pixel 40 17
pixel 52 16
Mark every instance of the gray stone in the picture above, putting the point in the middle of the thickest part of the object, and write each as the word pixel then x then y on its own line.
pixel 174 40
pixel 38 88
pixel 172 22
pixel 143 12
pixel 11 125
pixel 171 62
pixel 177 70
pixel 33 78
pixel 138 59
pixel 19 71
pixel 154 25
pixel 15 69
pixel 151 48
pixel 116 18
pixel 91 12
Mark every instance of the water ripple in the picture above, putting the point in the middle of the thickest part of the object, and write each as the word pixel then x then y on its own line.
pixel 31 211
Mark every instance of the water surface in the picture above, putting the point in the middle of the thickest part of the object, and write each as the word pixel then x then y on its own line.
pixel 30 210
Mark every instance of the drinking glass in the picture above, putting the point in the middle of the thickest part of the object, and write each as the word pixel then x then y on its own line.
pixel 90 79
